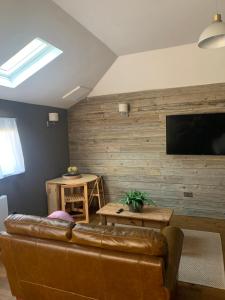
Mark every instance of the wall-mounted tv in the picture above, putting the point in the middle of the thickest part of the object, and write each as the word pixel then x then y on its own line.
pixel 197 134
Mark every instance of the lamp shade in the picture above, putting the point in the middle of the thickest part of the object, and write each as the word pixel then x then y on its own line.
pixel 53 117
pixel 123 108
pixel 214 35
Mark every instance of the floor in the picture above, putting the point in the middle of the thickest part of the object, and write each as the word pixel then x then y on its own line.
pixel 185 291
pixel 5 293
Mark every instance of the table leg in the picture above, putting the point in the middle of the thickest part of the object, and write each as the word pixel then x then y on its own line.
pixel 103 220
pixel 162 226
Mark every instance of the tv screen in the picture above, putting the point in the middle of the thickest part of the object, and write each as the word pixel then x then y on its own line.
pixel 199 134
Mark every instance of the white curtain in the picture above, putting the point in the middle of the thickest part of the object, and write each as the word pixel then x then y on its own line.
pixel 11 155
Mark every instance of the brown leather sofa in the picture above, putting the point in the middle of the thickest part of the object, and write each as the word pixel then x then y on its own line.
pixel 56 260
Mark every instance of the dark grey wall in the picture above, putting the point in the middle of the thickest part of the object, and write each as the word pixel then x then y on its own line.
pixel 45 152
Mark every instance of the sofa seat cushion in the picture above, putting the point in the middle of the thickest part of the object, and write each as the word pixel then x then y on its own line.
pixel 39 227
pixel 125 239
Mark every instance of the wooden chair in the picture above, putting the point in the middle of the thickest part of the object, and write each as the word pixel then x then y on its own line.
pixel 97 191
pixel 74 198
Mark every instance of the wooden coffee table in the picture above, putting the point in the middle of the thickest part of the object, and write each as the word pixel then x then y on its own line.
pixel 151 216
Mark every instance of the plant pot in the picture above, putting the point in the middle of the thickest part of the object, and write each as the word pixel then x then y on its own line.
pixel 137 209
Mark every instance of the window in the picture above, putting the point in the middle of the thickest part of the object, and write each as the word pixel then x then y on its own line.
pixel 26 62
pixel 11 155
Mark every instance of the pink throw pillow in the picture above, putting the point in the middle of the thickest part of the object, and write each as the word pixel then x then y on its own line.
pixel 62 215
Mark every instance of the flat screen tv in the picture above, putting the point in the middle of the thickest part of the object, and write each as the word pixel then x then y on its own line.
pixel 198 134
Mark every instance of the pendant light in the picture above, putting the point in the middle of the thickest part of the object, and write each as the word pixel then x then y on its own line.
pixel 214 35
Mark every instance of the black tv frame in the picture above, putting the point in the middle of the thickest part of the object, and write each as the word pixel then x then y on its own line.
pixel 208 137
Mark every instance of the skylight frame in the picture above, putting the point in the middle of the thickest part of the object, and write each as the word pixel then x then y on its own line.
pixel 29 60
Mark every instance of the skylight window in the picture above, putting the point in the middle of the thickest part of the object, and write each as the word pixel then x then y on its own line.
pixel 27 62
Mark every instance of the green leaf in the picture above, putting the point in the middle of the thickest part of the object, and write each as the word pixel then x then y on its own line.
pixel 136 198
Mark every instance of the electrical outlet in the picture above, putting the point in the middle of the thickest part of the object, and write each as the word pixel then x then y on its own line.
pixel 188 194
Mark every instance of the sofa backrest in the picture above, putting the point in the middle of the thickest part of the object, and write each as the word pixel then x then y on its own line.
pixel 86 262
pixel 44 228
pixel 125 239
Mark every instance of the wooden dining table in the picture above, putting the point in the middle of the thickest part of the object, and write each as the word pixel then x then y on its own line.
pixel 53 188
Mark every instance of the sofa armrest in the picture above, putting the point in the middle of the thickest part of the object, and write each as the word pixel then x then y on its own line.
pixel 174 238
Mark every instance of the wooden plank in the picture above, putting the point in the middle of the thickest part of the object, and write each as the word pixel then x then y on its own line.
pixel 53 197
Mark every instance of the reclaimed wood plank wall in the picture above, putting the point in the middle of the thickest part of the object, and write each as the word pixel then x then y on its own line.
pixel 129 152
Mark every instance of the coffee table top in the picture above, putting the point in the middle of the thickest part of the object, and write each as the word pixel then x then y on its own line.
pixel 149 212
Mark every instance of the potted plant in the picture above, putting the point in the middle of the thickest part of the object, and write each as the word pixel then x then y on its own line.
pixel 136 200
pixel 72 170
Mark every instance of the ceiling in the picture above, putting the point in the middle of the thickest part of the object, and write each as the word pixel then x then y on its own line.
pixel 22 21
pixel 129 26
pixel 92 33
